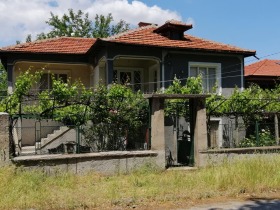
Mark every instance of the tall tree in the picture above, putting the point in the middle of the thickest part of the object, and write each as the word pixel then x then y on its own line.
pixel 78 24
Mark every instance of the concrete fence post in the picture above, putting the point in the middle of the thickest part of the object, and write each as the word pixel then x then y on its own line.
pixel 4 138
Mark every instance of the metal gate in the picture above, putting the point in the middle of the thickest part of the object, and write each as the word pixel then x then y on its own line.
pixel 181 152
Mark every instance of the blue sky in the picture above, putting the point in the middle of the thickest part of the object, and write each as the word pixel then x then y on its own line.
pixel 251 24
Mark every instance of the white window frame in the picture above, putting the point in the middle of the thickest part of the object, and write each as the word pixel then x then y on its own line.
pixel 131 70
pixel 217 66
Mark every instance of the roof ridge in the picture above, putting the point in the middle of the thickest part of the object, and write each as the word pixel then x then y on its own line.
pixel 128 32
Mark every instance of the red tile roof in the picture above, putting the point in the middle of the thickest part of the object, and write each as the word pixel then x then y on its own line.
pixel 263 68
pixel 146 36
pixel 61 45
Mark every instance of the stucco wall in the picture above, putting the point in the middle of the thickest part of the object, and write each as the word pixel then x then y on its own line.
pixel 178 64
pixel 74 71
pixel 103 162
pixel 218 156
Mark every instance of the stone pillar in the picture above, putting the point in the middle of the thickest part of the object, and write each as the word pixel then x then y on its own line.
pixel 199 129
pixel 4 138
pixel 157 130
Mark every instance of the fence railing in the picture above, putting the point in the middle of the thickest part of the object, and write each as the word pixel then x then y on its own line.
pixel 49 137
pixel 254 134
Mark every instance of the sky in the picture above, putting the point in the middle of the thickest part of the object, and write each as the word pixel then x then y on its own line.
pixel 249 24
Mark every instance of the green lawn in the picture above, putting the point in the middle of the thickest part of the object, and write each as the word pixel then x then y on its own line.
pixel 26 189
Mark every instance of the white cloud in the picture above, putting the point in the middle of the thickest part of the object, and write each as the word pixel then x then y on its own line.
pixel 20 17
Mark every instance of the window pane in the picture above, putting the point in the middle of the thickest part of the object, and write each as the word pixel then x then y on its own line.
pixel 193 72
pixel 155 80
pixel 125 77
pixel 115 76
pixel 137 80
pixel 203 73
pixel 212 79
pixel 63 77
pixel 44 84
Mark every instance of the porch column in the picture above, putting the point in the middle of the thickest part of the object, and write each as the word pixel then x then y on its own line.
pixel 197 107
pixel 157 129
pixel 109 71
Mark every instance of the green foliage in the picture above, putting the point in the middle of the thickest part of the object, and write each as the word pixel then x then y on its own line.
pixel 103 26
pixel 78 24
pixel 115 113
pixel 3 81
pixel 192 86
pixel 25 81
pixel 265 138
pixel 250 104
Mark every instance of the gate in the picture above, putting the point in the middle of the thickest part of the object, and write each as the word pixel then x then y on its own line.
pixel 181 152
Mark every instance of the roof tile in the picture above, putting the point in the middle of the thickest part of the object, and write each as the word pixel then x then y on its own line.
pixel 146 36
pixel 263 68
pixel 63 45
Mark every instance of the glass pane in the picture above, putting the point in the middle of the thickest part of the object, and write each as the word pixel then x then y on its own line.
pixel 44 82
pixel 203 73
pixel 63 78
pixel 115 76
pixel 212 79
pixel 193 72
pixel 125 77
pixel 155 81
pixel 137 80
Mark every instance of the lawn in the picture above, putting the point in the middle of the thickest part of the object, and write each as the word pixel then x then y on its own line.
pixel 146 188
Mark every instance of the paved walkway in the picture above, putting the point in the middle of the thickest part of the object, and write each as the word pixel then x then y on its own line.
pixel 242 205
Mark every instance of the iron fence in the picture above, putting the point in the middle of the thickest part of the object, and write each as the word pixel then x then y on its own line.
pixel 32 137
pixel 237 135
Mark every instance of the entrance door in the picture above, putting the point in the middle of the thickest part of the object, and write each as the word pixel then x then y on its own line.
pixel 185 143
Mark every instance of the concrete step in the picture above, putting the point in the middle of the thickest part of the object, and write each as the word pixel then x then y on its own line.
pixel 28 150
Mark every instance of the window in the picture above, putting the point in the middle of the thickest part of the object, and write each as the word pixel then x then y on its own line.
pixel 130 77
pixel 210 73
pixel 47 78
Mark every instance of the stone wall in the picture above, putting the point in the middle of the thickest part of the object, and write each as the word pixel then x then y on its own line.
pixel 218 156
pixel 103 162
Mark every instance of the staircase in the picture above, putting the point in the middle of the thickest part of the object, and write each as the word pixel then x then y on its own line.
pixel 45 142
pixel 53 136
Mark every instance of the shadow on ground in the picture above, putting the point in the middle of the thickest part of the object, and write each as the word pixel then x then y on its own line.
pixel 254 204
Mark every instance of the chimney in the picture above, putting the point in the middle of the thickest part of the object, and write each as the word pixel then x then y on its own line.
pixel 142 24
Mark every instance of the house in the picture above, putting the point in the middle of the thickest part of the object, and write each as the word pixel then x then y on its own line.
pixel 264 73
pixel 148 58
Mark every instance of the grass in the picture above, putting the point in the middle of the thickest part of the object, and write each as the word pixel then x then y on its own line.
pixel 27 189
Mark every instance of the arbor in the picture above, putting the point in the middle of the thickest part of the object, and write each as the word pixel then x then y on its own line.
pixel 78 24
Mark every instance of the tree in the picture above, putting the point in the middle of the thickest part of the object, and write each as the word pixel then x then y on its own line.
pixel 103 27
pixel 79 25
pixel 3 80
